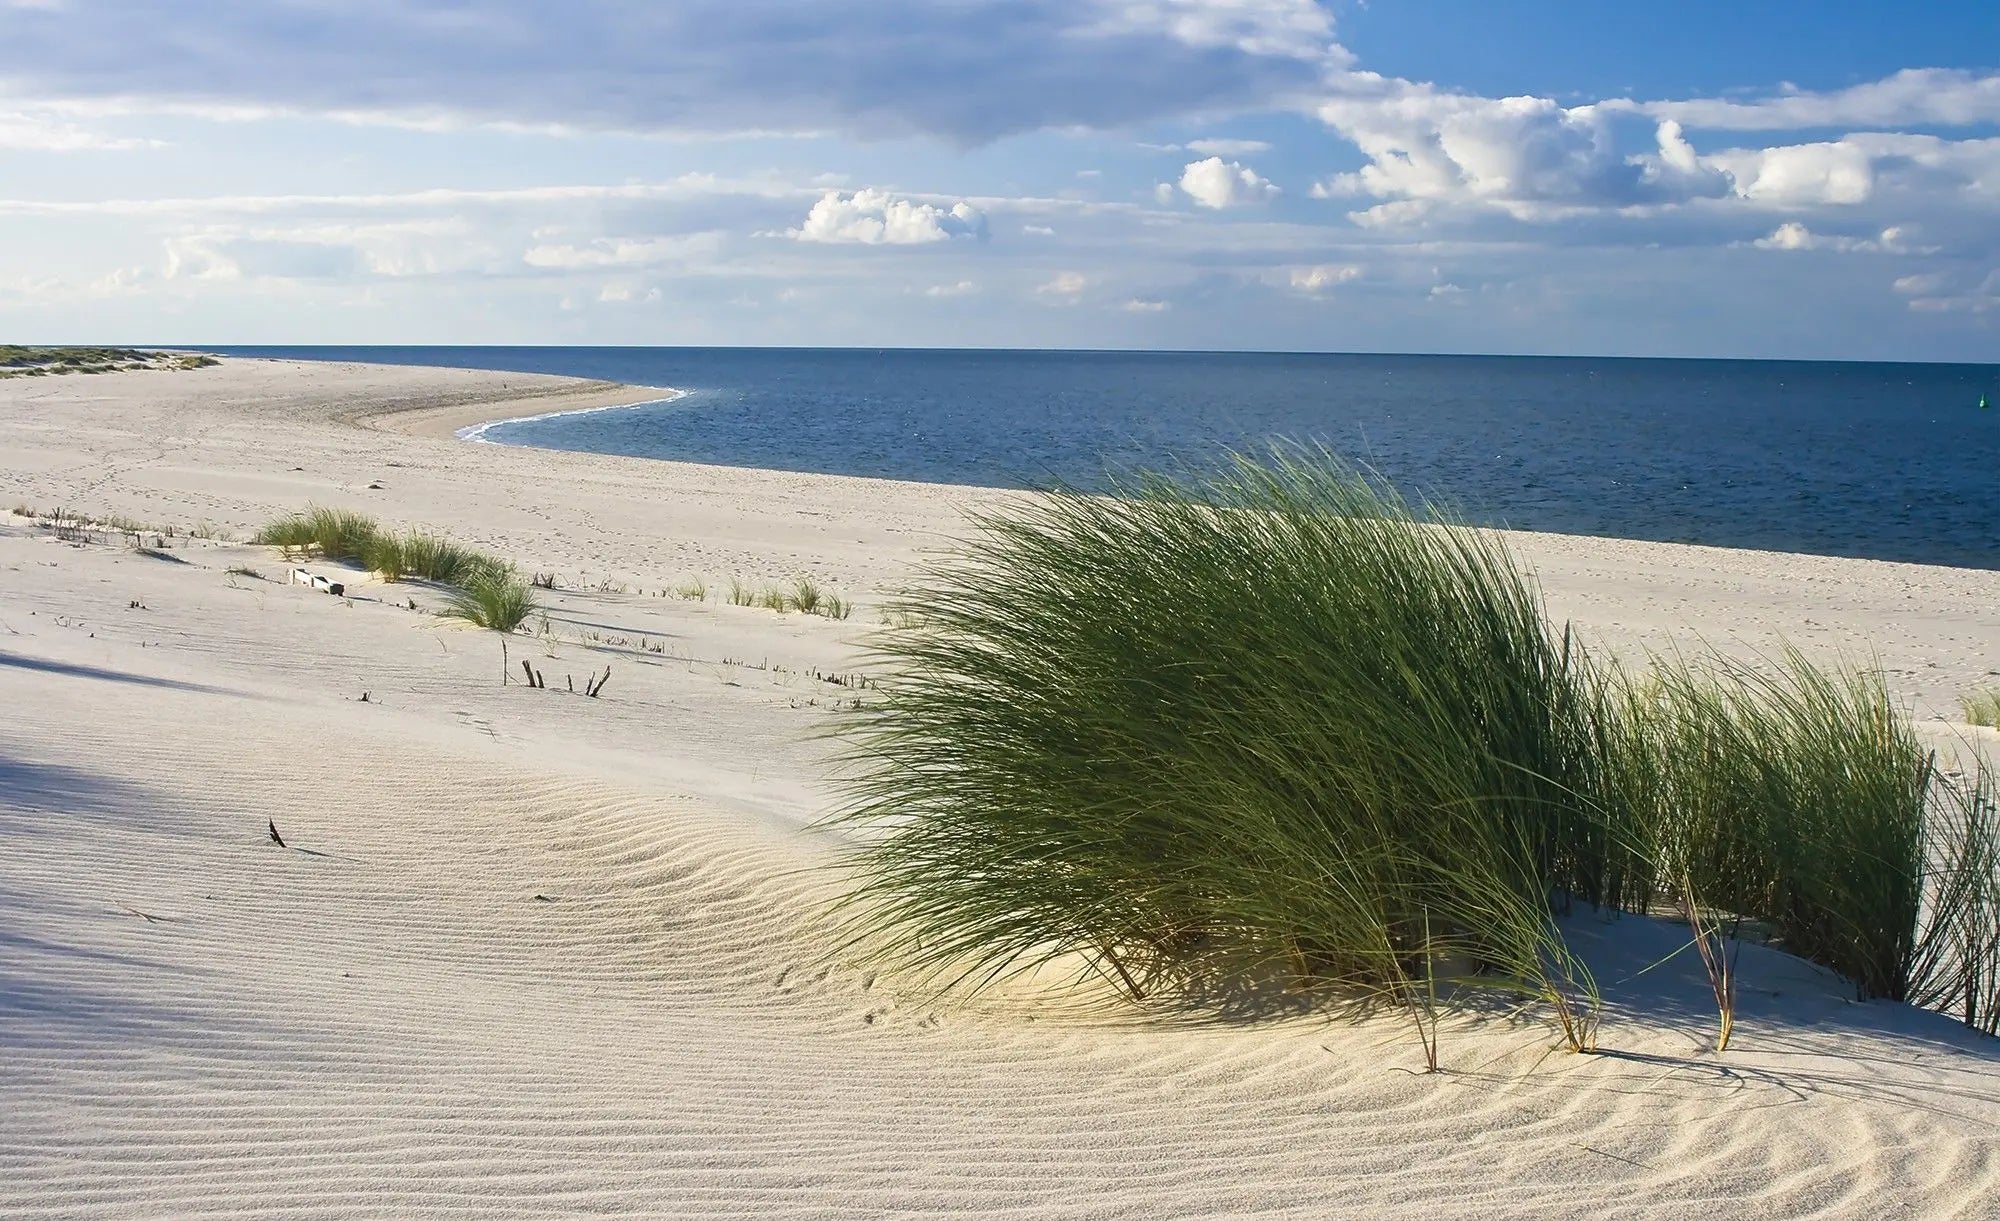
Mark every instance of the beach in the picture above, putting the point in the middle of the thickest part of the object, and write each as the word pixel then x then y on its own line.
pixel 527 953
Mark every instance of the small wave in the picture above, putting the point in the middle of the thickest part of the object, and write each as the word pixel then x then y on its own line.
pixel 477 432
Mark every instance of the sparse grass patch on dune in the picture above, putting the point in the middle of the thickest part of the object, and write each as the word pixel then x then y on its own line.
pixel 383 555
pixel 334 534
pixel 1275 730
pixel 432 557
pixel 342 534
pixel 481 588
pixel 805 595
pixel 18 360
pixel 1982 708
pixel 497 600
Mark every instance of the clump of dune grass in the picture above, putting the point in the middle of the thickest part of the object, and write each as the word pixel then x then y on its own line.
pixel 494 599
pixel 1982 708
pixel 1956 964
pixel 1798 797
pixel 807 597
pixel 1278 729
pixel 334 534
pixel 693 590
pixel 341 534
pixel 1266 726
pixel 771 597
pixel 741 594
pixel 1801 798
pixel 431 557
pixel 383 555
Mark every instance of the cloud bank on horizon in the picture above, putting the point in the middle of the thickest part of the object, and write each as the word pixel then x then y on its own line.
pixel 1119 173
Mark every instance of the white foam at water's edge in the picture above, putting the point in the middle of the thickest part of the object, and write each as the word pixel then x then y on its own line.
pixel 477 432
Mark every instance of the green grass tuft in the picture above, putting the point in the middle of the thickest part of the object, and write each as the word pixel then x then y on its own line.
pixel 430 557
pixel 493 599
pixel 1982 708
pixel 1274 730
pixel 384 557
pixel 1265 727
pixel 1799 798
pixel 334 534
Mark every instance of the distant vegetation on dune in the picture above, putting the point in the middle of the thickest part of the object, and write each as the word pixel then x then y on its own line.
pixel 17 360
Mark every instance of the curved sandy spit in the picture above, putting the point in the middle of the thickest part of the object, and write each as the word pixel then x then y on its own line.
pixel 532 954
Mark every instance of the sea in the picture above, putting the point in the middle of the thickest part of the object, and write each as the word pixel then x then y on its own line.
pixel 1880 461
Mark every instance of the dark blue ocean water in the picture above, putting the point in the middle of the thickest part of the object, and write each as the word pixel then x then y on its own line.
pixel 1875 460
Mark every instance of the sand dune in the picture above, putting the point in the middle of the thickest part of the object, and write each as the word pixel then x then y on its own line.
pixel 528 953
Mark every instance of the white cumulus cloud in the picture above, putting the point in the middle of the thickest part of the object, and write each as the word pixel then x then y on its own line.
pixel 1215 183
pixel 1835 172
pixel 1318 279
pixel 1794 235
pixel 1518 152
pixel 873 218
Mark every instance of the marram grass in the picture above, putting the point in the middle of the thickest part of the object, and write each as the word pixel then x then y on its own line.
pixel 1275 729
pixel 480 588
pixel 1270 726
pixel 1982 708
pixel 1793 796
pixel 335 534
pixel 495 599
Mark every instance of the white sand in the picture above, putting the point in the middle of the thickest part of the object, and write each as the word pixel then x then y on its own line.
pixel 537 954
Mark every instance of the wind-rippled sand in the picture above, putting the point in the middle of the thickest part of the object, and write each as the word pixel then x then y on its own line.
pixel 528 953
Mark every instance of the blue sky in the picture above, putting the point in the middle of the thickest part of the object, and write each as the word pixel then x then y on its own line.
pixel 1779 179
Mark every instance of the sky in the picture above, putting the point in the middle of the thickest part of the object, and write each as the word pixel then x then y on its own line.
pixel 1811 179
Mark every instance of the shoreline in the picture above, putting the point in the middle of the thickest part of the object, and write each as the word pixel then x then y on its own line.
pixel 542 396
pixel 582 396
pixel 477 432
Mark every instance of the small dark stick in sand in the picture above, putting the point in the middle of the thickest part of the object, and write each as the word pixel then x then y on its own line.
pixel 275 837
